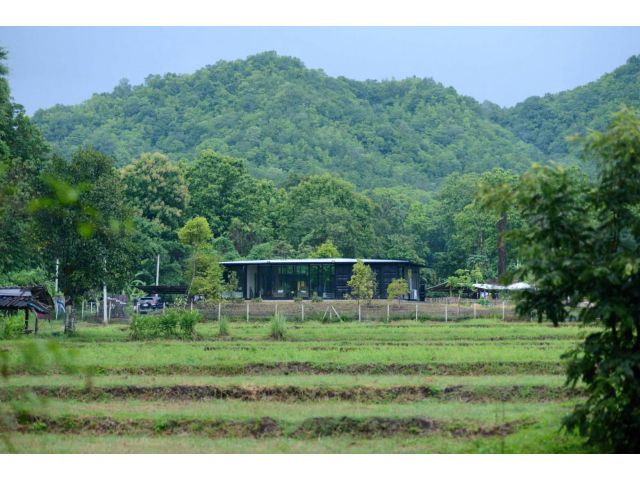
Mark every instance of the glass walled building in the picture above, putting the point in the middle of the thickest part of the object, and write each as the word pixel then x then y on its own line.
pixel 325 277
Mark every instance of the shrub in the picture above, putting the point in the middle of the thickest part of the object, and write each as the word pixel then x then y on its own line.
pixel 397 288
pixel 12 327
pixel 258 299
pixel 144 326
pixel 316 298
pixel 174 323
pixel 187 323
pixel 168 322
pixel 223 327
pixel 278 327
pixel 297 298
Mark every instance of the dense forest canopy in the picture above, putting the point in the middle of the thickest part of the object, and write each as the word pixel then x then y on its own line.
pixel 546 122
pixel 284 118
pixel 279 161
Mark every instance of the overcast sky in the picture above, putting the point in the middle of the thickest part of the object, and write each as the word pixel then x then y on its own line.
pixel 505 65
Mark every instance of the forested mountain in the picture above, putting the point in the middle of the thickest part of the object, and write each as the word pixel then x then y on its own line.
pixel 547 121
pixel 284 118
pixel 280 161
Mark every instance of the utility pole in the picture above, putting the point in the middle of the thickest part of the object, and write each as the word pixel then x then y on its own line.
pixel 56 292
pixel 105 318
pixel 158 271
pixel 501 226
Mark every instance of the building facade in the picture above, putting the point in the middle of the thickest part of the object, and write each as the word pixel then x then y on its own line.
pixel 324 277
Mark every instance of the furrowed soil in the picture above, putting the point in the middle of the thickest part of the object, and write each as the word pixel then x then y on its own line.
pixel 477 385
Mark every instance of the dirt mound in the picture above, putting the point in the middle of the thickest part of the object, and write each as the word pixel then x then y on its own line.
pixel 367 426
pixel 292 393
pixel 286 368
pixel 257 428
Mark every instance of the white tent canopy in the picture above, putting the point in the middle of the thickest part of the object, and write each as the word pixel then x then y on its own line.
pixel 512 287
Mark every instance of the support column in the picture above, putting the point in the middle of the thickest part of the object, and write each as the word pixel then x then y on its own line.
pixel 105 313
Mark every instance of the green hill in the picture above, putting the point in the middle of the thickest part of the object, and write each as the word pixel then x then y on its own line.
pixel 287 119
pixel 546 121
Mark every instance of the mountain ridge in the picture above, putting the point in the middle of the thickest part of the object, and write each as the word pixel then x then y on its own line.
pixel 285 118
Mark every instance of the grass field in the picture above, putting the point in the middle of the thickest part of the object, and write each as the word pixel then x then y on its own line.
pixel 407 386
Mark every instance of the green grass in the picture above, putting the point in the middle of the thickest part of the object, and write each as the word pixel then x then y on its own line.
pixel 526 355
pixel 543 437
pixel 491 413
pixel 403 331
pixel 334 380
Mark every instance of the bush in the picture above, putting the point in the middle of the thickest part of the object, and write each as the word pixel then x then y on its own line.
pixel 258 299
pixel 168 322
pixel 187 323
pixel 316 298
pixel 278 327
pixel 223 327
pixel 12 326
pixel 175 323
pixel 144 326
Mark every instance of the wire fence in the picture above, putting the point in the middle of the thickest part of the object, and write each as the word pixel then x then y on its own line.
pixel 365 311
pixel 446 309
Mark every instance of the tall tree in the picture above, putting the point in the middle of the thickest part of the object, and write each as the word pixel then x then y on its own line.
pixel 322 208
pixel 581 249
pixel 326 250
pixel 218 186
pixel 23 156
pixel 85 222
pixel 362 282
pixel 197 235
pixel 157 189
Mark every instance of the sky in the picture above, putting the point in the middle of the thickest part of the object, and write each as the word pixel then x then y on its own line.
pixel 505 65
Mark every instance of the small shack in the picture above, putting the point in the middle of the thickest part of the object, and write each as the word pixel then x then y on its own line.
pixel 36 298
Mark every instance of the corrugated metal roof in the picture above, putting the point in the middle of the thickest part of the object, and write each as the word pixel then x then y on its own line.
pixel 33 297
pixel 295 261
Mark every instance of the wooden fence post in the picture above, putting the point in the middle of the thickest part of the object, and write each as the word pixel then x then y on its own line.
pixel 474 310
pixel 502 310
pixel 387 313
pixel 219 311
pixel 191 306
pixel 359 314
pixel 247 312
pixel 416 311
pixel 302 311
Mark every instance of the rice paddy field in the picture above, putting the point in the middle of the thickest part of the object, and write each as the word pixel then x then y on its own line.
pixel 469 386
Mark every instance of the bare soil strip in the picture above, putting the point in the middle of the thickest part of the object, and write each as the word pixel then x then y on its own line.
pixel 290 393
pixel 286 368
pixel 259 427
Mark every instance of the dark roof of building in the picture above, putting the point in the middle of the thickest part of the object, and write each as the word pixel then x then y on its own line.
pixel 164 289
pixel 296 261
pixel 34 297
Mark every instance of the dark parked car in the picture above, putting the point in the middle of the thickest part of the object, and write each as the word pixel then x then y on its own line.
pixel 148 304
